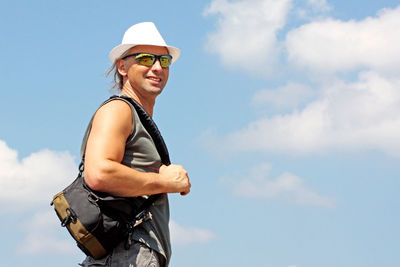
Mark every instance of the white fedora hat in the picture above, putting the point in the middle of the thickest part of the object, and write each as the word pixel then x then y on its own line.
pixel 144 33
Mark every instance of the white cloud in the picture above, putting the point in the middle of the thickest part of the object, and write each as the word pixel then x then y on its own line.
pixel 331 45
pixel 289 96
pixel 289 187
pixel 246 33
pixel 246 38
pixel 360 115
pixel 188 235
pixel 30 183
pixel 33 180
pixel 42 236
pixel 363 113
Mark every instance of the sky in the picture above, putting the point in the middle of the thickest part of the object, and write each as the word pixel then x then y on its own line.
pixel 285 113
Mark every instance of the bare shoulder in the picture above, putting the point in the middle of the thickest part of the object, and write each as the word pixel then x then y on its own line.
pixel 114 115
pixel 116 105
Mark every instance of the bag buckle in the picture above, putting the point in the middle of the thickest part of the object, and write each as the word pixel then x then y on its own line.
pixel 71 217
pixel 142 217
pixel 139 219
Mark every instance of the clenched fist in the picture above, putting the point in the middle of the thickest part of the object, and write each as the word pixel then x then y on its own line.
pixel 176 178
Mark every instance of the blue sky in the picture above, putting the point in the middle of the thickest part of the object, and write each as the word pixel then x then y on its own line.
pixel 285 114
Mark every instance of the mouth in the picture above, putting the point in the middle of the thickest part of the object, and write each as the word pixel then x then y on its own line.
pixel 155 79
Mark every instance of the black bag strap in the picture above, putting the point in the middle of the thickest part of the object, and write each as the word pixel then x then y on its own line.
pixel 151 128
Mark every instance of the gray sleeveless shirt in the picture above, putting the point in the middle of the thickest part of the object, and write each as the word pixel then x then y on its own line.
pixel 141 154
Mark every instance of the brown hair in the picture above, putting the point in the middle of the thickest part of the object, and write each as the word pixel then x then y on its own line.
pixel 117 77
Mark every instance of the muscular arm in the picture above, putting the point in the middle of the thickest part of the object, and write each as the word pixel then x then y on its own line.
pixel 105 148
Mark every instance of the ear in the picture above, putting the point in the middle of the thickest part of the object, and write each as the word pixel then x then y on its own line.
pixel 122 67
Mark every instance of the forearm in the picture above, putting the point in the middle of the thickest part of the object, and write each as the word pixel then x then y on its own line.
pixel 117 179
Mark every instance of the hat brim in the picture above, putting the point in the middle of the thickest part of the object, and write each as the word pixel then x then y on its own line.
pixel 119 50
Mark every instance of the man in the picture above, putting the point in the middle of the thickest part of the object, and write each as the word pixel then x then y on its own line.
pixel 120 157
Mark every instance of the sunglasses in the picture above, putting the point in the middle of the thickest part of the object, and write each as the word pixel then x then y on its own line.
pixel 148 59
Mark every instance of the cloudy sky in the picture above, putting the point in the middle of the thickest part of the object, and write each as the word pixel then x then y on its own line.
pixel 286 114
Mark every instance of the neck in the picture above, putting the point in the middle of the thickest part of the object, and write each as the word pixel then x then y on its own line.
pixel 146 103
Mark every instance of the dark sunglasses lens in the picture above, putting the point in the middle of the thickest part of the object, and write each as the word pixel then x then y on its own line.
pixel 165 61
pixel 145 59
pixel 149 59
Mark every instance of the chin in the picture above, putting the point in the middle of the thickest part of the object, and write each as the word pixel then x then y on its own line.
pixel 155 91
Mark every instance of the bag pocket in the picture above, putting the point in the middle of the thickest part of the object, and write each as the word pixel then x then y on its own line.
pixel 81 216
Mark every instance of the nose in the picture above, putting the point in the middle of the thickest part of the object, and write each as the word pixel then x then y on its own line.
pixel 157 66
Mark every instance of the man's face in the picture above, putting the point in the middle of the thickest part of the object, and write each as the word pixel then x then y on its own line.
pixel 146 81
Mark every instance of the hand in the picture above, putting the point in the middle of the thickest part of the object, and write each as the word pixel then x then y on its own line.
pixel 176 178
